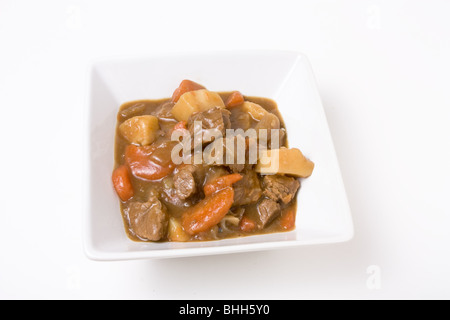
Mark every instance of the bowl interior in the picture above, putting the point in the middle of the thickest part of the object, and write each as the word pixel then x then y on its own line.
pixel 323 213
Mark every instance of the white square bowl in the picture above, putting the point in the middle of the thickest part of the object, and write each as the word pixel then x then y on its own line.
pixel 323 212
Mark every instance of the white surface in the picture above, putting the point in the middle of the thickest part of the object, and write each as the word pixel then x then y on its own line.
pixel 324 214
pixel 383 73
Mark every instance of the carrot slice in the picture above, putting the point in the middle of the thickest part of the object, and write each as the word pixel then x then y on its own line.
pixel 150 162
pixel 122 183
pixel 221 183
pixel 236 98
pixel 185 86
pixel 247 224
pixel 287 219
pixel 208 212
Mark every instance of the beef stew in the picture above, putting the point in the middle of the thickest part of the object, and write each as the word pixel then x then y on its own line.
pixel 166 195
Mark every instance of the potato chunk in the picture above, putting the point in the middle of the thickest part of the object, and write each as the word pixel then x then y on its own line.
pixel 254 110
pixel 140 130
pixel 285 161
pixel 196 101
pixel 176 231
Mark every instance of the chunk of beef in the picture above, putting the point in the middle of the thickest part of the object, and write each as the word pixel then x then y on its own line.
pixel 164 111
pixel 267 210
pixel 247 190
pixel 184 182
pixel 171 199
pixel 182 190
pixel 148 220
pixel 214 118
pixel 280 188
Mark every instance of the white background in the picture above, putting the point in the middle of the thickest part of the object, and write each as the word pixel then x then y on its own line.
pixel 383 72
